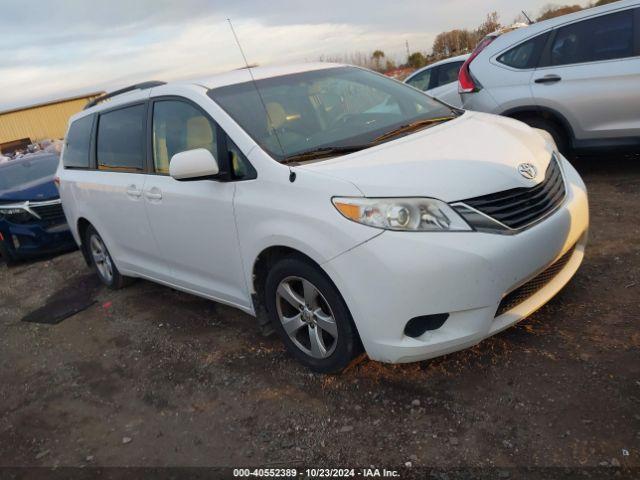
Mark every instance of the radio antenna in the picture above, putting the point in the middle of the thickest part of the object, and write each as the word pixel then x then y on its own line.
pixel 527 17
pixel 292 175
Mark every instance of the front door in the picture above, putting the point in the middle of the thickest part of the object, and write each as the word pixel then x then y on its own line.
pixel 193 221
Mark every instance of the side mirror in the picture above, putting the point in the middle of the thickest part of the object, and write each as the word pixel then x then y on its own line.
pixel 196 164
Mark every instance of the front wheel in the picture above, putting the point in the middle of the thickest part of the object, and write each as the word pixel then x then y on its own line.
pixel 310 316
pixel 6 256
pixel 102 262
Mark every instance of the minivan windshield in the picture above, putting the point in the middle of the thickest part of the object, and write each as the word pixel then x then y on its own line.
pixel 27 170
pixel 327 112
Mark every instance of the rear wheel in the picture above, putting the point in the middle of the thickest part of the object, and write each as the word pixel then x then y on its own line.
pixel 310 316
pixel 102 262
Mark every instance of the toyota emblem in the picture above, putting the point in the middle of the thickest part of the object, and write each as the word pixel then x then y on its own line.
pixel 527 170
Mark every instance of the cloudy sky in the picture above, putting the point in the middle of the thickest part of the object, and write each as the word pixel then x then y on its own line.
pixel 56 48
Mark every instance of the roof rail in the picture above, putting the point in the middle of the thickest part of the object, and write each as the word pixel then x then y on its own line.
pixel 115 93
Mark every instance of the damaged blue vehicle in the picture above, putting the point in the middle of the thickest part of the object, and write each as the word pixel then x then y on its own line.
pixel 32 222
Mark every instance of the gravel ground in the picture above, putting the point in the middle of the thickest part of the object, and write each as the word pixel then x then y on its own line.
pixel 149 376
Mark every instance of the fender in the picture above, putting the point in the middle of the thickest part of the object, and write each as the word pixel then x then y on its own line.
pixel 542 111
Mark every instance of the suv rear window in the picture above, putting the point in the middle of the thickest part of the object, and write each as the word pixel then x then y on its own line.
pixel 525 55
pixel 76 150
pixel 121 138
pixel 603 38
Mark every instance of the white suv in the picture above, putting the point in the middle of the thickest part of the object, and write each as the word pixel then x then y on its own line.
pixel 341 207
pixel 576 76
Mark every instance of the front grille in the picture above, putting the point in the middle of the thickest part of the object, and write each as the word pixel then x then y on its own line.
pixel 519 207
pixel 523 292
pixel 49 212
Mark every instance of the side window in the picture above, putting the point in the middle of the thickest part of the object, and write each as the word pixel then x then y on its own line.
pixel 448 73
pixel 240 166
pixel 525 55
pixel 121 139
pixel 421 80
pixel 76 150
pixel 177 127
pixel 602 38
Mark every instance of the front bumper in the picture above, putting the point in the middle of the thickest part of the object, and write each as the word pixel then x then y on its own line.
pixel 400 275
pixel 34 239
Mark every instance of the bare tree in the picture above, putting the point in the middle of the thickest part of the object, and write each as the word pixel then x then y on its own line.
pixel 416 60
pixel 552 11
pixel 491 24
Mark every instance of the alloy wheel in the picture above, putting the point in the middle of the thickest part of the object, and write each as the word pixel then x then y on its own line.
pixel 101 258
pixel 306 317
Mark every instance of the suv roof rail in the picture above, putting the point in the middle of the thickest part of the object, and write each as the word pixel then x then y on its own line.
pixel 115 93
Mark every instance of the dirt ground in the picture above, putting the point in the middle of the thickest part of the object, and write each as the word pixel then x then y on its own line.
pixel 149 376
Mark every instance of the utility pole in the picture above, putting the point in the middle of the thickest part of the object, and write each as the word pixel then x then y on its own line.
pixel 406 42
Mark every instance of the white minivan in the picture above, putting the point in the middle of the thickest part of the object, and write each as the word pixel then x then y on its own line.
pixel 344 209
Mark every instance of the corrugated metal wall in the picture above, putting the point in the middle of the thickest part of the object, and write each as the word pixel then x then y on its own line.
pixel 40 122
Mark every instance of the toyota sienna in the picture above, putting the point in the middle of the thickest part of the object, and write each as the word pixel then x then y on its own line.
pixel 344 209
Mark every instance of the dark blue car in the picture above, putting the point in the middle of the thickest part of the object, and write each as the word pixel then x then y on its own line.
pixel 31 218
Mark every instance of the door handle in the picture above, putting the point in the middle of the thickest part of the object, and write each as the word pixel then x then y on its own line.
pixel 548 79
pixel 153 194
pixel 133 191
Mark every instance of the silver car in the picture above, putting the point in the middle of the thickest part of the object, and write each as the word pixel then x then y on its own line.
pixel 576 76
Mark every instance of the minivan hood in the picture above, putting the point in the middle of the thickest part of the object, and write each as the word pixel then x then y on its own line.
pixel 37 191
pixel 475 154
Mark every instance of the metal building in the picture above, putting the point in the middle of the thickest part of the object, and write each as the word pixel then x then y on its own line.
pixel 38 122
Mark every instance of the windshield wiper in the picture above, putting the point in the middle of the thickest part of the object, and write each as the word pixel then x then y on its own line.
pixel 323 152
pixel 409 127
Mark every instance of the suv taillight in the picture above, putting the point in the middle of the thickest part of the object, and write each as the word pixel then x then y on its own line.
pixel 466 82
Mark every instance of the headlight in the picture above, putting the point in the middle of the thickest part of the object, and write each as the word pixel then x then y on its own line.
pixel 403 214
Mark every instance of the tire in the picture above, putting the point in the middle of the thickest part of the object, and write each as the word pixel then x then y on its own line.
pixel 558 134
pixel 101 261
pixel 6 256
pixel 318 343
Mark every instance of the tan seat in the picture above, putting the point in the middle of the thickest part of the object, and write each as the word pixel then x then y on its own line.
pixel 276 116
pixel 200 134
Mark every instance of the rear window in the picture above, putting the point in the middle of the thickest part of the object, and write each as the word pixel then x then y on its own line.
pixel 121 135
pixel 602 38
pixel 525 55
pixel 76 151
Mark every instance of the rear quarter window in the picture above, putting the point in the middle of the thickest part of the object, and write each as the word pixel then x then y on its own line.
pixel 525 55
pixel 76 150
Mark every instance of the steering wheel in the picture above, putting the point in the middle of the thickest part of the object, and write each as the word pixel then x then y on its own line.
pixel 342 119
